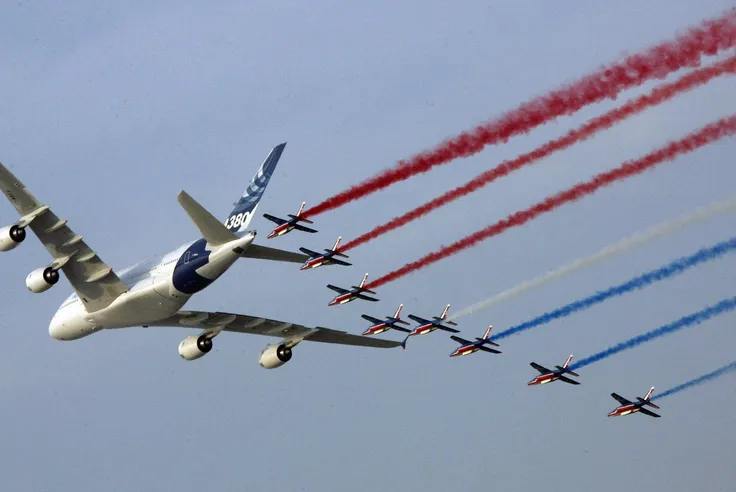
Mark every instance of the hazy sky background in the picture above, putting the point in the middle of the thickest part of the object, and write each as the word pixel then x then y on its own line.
pixel 108 110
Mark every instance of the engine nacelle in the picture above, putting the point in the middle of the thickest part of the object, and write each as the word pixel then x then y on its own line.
pixel 194 347
pixel 42 279
pixel 11 236
pixel 274 356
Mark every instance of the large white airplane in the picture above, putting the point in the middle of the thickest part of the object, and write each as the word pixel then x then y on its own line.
pixel 152 293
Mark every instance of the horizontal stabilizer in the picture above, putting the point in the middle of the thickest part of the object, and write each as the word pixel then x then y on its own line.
pixel 487 342
pixel 336 253
pixel 211 229
pixel 564 369
pixel 300 219
pixel 647 402
pixel 266 253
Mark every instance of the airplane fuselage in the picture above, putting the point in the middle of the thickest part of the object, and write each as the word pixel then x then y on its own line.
pixel 464 350
pixel 315 262
pixel 543 379
pixel 424 329
pixel 157 289
pixel 281 230
pixel 625 410
pixel 377 329
pixel 342 299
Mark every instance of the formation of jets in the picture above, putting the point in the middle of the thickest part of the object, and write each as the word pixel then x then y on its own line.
pixel 154 292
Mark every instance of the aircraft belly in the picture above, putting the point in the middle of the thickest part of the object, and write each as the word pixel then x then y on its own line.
pixel 140 306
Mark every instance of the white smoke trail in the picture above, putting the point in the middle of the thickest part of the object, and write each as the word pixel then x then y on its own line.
pixel 699 215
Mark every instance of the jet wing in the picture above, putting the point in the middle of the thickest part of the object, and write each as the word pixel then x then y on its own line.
pixel 277 220
pixel 93 280
pixel 539 368
pixel 621 399
pixel 266 253
pixel 241 323
pixel 418 319
pixel 446 328
pixel 648 412
pixel 335 261
pixel 490 350
pixel 461 340
pixel 337 289
pixel 366 298
pixel 567 380
pixel 303 228
pixel 372 319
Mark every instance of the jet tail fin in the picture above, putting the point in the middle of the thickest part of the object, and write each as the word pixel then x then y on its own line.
pixel 245 207
pixel 647 402
pixel 212 229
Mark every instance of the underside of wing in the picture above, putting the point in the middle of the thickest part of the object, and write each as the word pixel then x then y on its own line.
pixel 567 380
pixel 489 350
pixel 621 399
pixel 266 253
pixel 649 412
pixel 447 328
pixel 94 282
pixel 539 368
pixel 240 323
pixel 460 340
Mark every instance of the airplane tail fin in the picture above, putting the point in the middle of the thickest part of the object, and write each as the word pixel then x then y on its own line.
pixel 362 285
pixel 398 311
pixel 211 229
pixel 567 362
pixel 645 400
pixel 487 334
pixel 334 250
pixel 245 207
pixel 649 394
pixel 298 215
pixel 444 313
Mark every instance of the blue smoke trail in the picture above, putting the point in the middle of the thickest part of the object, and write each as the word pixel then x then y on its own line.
pixel 699 380
pixel 675 268
pixel 684 322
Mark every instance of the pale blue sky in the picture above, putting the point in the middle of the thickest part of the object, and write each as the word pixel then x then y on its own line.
pixel 106 112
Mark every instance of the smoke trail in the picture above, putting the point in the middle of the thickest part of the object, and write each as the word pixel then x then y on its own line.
pixel 674 268
pixel 684 322
pixel 656 96
pixel 705 135
pixel 707 38
pixel 699 380
pixel 622 246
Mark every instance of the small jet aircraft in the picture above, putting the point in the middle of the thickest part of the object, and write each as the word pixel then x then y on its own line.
pixel 286 226
pixel 356 292
pixel 548 375
pixel 153 292
pixel 628 407
pixel 320 259
pixel 469 347
pixel 428 326
pixel 380 326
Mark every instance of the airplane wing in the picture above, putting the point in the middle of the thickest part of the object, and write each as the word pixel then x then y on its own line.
pixel 490 350
pixel 335 261
pixel 648 412
pixel 312 254
pixel 337 289
pixel 539 368
pixel 366 298
pixel 418 319
pixel 372 319
pixel 93 280
pixel 277 220
pixel 398 328
pixel 621 399
pixel 303 228
pixel 266 253
pixel 241 323
pixel 447 328
pixel 460 340
pixel 567 380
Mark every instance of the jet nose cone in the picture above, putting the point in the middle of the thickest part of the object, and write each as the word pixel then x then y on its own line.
pixel 56 329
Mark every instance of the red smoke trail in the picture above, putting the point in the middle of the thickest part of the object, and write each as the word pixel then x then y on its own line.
pixel 587 130
pixel 705 135
pixel 708 38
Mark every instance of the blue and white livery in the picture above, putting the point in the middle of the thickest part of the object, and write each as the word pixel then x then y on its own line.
pixel 152 293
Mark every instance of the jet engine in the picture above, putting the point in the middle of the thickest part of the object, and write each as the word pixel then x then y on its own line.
pixel 42 279
pixel 274 356
pixel 194 347
pixel 11 236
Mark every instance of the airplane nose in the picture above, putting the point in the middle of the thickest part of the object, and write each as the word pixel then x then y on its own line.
pixel 56 329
